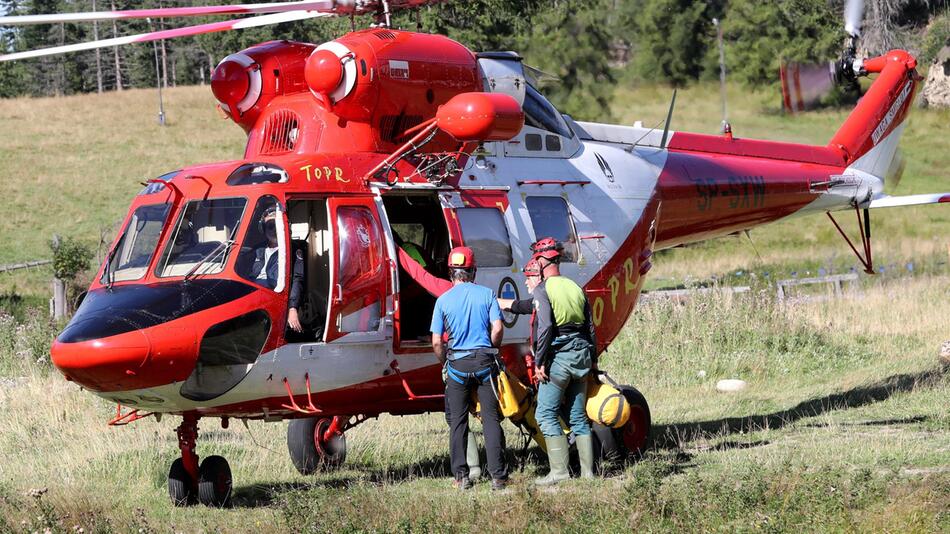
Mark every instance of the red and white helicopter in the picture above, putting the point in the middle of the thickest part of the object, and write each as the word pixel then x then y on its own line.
pixel 384 136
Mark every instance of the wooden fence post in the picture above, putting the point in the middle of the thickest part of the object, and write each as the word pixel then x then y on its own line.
pixel 59 289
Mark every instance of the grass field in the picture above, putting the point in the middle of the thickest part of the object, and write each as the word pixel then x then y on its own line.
pixel 844 426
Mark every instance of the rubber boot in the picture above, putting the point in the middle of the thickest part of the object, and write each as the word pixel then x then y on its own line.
pixel 585 453
pixel 471 458
pixel 557 457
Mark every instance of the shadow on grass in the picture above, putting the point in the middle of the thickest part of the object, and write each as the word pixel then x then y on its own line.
pixel 876 422
pixel 262 495
pixel 675 435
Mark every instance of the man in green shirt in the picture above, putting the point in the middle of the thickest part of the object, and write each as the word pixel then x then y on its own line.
pixel 564 346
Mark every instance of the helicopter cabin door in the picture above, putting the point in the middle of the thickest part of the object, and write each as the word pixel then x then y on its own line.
pixel 360 272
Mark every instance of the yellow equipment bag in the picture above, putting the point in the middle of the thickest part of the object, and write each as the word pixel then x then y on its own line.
pixel 511 394
pixel 606 404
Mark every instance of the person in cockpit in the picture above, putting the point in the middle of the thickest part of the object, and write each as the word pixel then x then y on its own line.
pixel 266 272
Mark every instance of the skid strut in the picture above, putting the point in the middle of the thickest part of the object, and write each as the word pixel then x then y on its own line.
pixel 122 419
pixel 864 227
pixel 310 408
pixel 187 439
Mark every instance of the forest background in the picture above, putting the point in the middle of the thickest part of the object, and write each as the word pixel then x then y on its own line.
pixel 607 42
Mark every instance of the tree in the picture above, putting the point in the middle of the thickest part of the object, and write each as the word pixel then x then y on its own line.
pixel 580 60
pixel 672 38
pixel 760 35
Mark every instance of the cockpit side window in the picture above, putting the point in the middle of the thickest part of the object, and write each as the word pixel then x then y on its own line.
pixel 133 253
pixel 263 253
pixel 540 113
pixel 202 238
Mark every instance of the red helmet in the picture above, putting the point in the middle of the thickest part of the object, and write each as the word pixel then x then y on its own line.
pixel 547 248
pixel 461 258
pixel 532 268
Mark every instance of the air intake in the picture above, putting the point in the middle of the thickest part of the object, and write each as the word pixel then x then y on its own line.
pixel 385 35
pixel 393 126
pixel 280 132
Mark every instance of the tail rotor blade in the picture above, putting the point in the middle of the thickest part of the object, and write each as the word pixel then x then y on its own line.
pixel 174 12
pixel 804 85
pixel 238 24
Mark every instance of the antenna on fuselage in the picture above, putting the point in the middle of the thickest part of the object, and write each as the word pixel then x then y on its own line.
pixel 669 118
pixel 726 127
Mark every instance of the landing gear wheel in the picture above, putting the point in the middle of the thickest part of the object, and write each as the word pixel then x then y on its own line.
pixel 635 435
pixel 214 482
pixel 308 450
pixel 179 485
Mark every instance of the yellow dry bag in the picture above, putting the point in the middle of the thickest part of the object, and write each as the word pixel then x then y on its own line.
pixel 606 404
pixel 510 394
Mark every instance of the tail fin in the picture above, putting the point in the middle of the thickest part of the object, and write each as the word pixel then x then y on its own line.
pixel 868 138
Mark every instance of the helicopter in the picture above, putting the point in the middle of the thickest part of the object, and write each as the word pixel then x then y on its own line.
pixel 381 137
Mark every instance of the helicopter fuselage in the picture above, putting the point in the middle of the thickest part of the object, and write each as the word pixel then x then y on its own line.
pixel 178 321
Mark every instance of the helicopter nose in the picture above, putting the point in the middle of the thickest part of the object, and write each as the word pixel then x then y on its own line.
pixel 131 360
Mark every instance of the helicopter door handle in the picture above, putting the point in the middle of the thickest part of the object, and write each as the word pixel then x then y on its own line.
pixel 337 293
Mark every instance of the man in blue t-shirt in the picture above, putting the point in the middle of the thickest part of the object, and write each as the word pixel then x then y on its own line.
pixel 468 314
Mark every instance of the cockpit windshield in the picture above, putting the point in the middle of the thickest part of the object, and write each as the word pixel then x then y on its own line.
pixel 201 241
pixel 130 258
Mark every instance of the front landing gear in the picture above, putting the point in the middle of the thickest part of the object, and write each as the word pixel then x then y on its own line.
pixel 214 482
pixel 189 483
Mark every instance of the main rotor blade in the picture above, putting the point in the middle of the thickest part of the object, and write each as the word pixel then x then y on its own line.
pixel 173 12
pixel 238 24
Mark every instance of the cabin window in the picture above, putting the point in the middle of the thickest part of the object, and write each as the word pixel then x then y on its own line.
pixel 484 231
pixel 551 218
pixel 257 173
pixel 263 258
pixel 202 238
pixel 359 265
pixel 133 253
pixel 532 142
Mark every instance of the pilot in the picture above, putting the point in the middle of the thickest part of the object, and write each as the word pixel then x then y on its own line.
pixel 565 348
pixel 265 269
pixel 470 315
